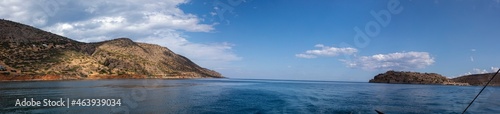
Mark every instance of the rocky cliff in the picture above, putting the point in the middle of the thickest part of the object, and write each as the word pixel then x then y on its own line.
pixel 28 53
pixel 409 78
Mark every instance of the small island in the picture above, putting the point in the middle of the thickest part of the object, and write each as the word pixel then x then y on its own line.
pixel 406 77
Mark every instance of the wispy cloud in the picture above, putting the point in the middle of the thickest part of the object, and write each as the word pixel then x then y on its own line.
pixel 307 56
pixel 494 69
pixel 471 57
pixel 326 51
pixel 152 21
pixel 479 71
pixel 392 61
pixel 482 71
pixel 214 54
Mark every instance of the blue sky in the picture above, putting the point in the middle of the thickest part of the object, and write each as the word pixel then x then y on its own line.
pixel 282 39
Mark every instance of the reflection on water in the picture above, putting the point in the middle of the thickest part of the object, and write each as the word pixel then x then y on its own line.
pixel 249 96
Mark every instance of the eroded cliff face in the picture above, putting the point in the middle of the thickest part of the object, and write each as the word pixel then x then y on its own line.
pixel 27 53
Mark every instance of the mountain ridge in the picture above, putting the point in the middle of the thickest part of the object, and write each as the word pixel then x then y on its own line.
pixel 28 53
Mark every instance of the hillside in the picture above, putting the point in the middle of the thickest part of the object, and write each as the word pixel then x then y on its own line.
pixel 28 53
pixel 433 78
pixel 478 79
pixel 409 78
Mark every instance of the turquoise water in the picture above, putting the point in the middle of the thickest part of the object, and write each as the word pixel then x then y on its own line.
pixel 248 96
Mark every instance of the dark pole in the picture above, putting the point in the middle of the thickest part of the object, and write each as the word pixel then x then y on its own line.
pixel 480 91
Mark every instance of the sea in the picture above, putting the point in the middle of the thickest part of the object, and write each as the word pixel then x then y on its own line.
pixel 242 96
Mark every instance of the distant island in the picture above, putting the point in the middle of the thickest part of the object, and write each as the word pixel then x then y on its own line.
pixel 401 77
pixel 28 53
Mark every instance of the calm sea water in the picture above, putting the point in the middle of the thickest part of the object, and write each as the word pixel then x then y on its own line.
pixel 249 96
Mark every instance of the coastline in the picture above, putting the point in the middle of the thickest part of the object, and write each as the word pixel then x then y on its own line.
pixel 446 83
pixel 406 77
pixel 22 78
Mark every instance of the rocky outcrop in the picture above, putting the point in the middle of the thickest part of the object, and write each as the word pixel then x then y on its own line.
pixel 409 78
pixel 400 77
pixel 28 53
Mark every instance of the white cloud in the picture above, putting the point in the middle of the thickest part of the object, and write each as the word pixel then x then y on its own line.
pixel 305 56
pixel 482 71
pixel 479 71
pixel 494 69
pixel 392 61
pixel 213 13
pixel 326 51
pixel 152 21
pixel 215 55
pixel 24 11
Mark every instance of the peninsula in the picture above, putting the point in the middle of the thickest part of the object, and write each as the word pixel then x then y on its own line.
pixel 401 77
pixel 28 53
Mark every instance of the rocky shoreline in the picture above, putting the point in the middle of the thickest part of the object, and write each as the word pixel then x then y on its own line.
pixel 404 77
pixel 91 77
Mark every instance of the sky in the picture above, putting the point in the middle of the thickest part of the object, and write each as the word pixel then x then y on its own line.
pixel 328 40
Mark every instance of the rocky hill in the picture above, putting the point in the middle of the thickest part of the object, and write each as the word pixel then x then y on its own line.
pixel 478 79
pixel 433 78
pixel 409 78
pixel 28 53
